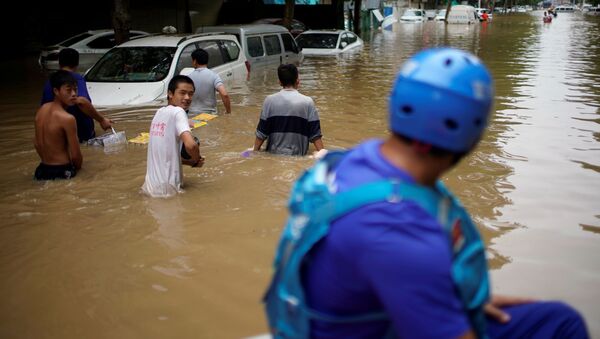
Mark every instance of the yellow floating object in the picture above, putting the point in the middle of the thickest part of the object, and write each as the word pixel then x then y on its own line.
pixel 198 120
pixel 142 138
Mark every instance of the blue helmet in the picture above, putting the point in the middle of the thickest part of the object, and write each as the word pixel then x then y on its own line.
pixel 442 97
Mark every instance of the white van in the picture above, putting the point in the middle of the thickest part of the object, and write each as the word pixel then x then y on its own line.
pixel 462 14
pixel 263 44
pixel 138 71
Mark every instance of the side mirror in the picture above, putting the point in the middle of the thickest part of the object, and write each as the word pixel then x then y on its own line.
pixel 343 45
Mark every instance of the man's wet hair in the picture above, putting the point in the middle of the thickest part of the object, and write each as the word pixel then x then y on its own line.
pixel 68 57
pixel 177 80
pixel 288 74
pixel 61 78
pixel 201 56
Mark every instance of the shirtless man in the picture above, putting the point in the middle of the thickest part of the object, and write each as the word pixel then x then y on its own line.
pixel 56 139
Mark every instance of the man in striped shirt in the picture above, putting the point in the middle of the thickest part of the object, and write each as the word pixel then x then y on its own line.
pixel 289 120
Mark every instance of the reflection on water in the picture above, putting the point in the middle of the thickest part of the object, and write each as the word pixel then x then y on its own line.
pixel 93 258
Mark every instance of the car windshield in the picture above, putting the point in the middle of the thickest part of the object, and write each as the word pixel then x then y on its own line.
pixel 133 64
pixel 318 40
pixel 413 13
pixel 75 39
pixel 442 13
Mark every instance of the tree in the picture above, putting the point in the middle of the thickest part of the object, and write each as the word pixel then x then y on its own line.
pixel 121 20
pixel 288 15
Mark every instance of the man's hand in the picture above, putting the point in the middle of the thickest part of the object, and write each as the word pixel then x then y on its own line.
pixel 106 123
pixel 493 308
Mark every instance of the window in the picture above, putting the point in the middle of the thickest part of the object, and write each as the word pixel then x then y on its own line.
pixel 288 43
pixel 133 64
pixel 351 38
pixel 255 48
pixel 232 50
pixel 317 40
pixel 185 58
pixel 75 39
pixel 272 44
pixel 343 39
pixel 215 58
pixel 103 42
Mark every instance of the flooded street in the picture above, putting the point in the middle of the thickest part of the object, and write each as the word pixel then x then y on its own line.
pixel 93 258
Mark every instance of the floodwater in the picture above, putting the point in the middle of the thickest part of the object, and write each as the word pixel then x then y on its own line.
pixel 93 258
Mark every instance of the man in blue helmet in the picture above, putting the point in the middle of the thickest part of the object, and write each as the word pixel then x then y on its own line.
pixel 385 250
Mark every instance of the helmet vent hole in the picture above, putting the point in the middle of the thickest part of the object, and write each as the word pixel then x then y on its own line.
pixel 477 122
pixel 406 109
pixel 448 62
pixel 451 124
pixel 468 60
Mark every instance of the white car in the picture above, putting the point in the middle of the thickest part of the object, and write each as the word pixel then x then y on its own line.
pixel 328 42
pixel 91 45
pixel 138 71
pixel 441 16
pixel 413 15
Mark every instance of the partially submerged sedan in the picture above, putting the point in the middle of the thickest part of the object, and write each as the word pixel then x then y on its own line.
pixel 328 42
pixel 91 45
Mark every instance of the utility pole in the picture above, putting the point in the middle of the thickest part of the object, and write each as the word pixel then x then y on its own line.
pixel 356 24
pixel 289 13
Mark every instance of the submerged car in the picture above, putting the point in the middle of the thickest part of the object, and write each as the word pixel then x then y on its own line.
pixel 480 12
pixel 441 16
pixel 413 15
pixel 328 42
pixel 137 72
pixel 91 45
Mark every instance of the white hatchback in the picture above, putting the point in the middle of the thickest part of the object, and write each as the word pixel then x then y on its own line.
pixel 328 42
pixel 413 15
pixel 137 72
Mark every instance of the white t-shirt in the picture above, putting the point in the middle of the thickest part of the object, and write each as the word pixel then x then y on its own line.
pixel 163 168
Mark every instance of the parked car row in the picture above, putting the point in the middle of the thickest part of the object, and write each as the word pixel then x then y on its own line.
pixel 137 72
pixel 462 14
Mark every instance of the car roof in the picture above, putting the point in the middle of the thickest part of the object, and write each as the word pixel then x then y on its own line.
pixel 325 31
pixel 248 28
pixel 170 40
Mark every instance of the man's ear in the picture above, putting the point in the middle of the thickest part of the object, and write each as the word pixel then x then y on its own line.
pixel 55 91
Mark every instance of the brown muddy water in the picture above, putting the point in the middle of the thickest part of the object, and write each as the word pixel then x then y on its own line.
pixel 92 258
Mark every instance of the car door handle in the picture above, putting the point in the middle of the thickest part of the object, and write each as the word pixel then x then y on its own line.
pixel 229 74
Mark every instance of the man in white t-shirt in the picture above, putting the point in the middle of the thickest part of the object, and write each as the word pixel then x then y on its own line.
pixel 206 82
pixel 168 132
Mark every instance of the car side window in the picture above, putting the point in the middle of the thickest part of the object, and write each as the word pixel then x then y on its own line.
pixel 103 42
pixel 343 39
pixel 185 58
pixel 215 58
pixel 232 50
pixel 351 38
pixel 255 48
pixel 288 43
pixel 272 44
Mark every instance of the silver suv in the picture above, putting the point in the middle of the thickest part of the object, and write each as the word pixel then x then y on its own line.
pixel 137 72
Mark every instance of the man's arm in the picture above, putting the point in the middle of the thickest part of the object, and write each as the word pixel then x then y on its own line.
pixel 258 143
pixel 318 142
pixel 73 141
pixel 192 149
pixel 225 97
pixel 86 107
